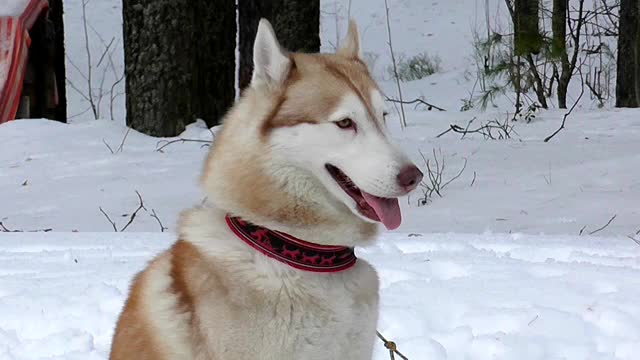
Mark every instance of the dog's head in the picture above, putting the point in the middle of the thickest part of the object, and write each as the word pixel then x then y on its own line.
pixel 307 144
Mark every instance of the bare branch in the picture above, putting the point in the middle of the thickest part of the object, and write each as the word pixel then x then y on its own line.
pixel 113 96
pixel 133 216
pixel 419 101
pixel 603 227
pixel 121 147
pixel 167 143
pixel 433 182
pixel 88 53
pixel 566 115
pixel 79 114
pixel 113 224
pixel 582 230
pixel 74 87
pixel 458 175
pixel 403 119
pixel 488 131
pixel 155 216
pixel 106 50
pixel 3 228
pixel 107 145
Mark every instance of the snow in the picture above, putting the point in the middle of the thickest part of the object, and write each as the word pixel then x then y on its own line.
pixel 496 268
pixel 444 296
pixel 57 176
pixel 13 7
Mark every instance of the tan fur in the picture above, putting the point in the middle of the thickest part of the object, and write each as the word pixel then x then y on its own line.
pixel 134 335
pixel 316 84
pixel 212 297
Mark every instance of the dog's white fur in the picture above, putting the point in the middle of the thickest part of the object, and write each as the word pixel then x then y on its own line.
pixel 213 297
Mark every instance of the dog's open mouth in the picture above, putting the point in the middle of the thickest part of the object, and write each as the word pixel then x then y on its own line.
pixel 384 210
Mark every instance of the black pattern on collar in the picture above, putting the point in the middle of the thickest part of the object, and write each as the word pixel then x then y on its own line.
pixel 292 251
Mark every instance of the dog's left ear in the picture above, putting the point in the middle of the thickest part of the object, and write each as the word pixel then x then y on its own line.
pixel 351 44
pixel 271 63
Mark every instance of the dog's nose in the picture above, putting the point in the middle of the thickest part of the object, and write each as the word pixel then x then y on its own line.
pixel 409 177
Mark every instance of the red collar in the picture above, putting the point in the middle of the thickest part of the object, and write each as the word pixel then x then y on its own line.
pixel 292 251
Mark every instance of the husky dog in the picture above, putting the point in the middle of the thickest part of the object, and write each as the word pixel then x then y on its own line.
pixel 301 173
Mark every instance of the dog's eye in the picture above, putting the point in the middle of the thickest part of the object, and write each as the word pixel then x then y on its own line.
pixel 345 124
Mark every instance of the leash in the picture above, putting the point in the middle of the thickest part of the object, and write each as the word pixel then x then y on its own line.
pixel 393 348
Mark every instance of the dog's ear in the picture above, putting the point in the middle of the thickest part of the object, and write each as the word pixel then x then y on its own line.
pixel 271 63
pixel 351 44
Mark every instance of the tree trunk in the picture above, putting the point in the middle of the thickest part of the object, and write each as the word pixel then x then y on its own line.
pixel 527 37
pixel 569 65
pixel 296 23
pixel 637 53
pixel 538 86
pixel 179 63
pixel 628 58
pixel 559 47
pixel 249 14
pixel 559 27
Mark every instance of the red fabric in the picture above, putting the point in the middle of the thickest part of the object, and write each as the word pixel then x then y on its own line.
pixel 16 29
pixel 292 251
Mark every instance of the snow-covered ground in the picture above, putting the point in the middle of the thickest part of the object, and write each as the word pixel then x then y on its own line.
pixel 496 268
pixel 444 296
pixel 58 176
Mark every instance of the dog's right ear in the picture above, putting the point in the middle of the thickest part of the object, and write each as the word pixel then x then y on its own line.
pixel 270 62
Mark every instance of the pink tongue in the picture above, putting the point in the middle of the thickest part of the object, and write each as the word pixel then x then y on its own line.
pixel 388 210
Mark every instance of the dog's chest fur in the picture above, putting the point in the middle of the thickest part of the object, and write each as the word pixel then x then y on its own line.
pixel 248 306
pixel 313 317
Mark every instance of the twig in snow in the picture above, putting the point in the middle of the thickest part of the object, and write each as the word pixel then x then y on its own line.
pixel 393 348
pixel 3 228
pixel 107 145
pixel 121 147
pixel 603 227
pixel 155 216
pixel 493 129
pixel 582 230
pixel 629 236
pixel 418 101
pixel 566 115
pixel 113 224
pixel 131 218
pixel 433 181
pixel 167 143
pixel 473 181
pixel 457 176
